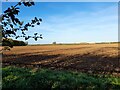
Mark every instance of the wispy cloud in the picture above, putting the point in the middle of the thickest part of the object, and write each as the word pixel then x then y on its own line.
pixel 97 26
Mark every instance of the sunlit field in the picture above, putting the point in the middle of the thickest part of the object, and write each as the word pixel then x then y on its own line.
pixel 94 58
pixel 75 67
pixel 59 45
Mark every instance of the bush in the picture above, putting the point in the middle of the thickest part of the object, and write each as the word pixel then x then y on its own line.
pixel 8 42
pixel 54 43
pixel 43 79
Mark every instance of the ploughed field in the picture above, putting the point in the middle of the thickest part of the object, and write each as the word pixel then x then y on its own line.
pixel 91 58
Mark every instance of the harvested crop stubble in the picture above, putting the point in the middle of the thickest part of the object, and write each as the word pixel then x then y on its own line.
pixel 86 58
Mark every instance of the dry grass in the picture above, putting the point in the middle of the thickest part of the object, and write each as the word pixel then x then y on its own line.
pixel 91 57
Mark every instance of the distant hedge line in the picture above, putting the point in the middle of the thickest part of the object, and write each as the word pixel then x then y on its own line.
pixel 7 42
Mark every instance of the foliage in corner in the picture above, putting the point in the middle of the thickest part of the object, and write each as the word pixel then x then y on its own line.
pixel 10 24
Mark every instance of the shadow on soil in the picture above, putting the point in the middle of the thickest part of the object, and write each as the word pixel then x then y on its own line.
pixel 84 63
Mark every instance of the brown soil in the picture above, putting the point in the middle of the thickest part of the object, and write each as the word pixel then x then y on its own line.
pixel 92 58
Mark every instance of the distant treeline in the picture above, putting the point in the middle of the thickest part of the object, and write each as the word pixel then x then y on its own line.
pixel 7 42
pixel 107 43
pixel 74 43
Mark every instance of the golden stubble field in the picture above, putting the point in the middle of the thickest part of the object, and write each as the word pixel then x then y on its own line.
pixel 90 57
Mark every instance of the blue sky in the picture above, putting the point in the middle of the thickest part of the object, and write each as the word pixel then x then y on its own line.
pixel 72 22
